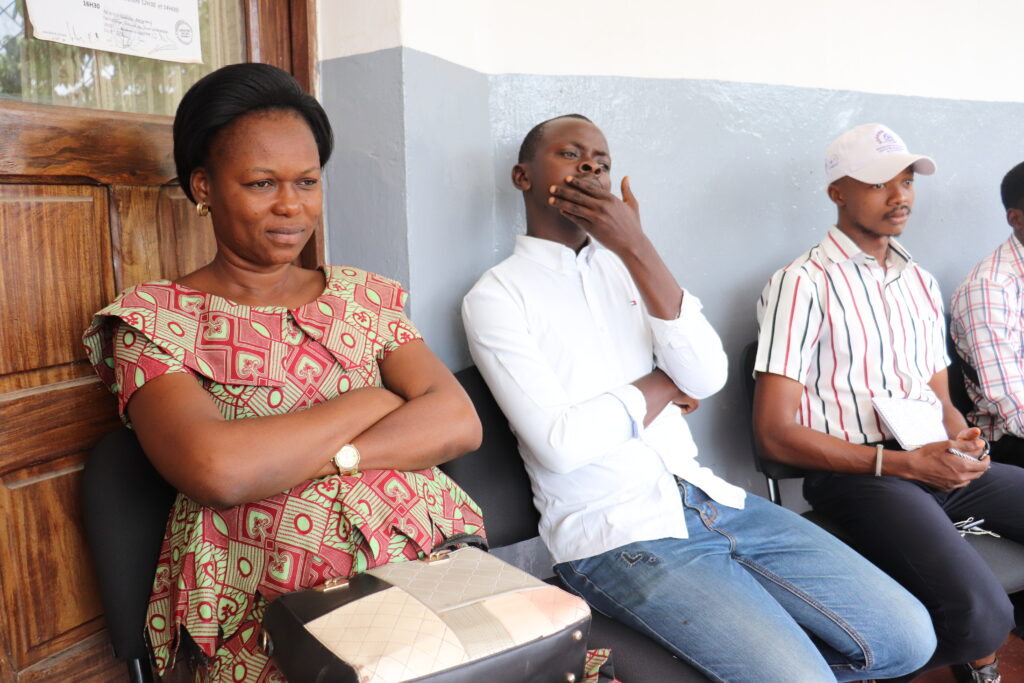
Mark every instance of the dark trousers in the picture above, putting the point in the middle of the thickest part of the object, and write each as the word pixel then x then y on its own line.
pixel 905 528
pixel 1009 449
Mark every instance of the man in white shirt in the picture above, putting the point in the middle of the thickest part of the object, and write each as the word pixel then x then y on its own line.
pixel 594 355
pixel 854 320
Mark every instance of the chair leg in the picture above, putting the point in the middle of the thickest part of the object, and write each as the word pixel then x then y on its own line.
pixel 139 671
pixel 773 490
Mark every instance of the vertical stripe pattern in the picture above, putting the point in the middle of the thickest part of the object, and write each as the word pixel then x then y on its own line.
pixel 848 329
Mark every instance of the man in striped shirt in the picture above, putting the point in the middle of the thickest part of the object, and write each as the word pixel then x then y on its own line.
pixel 988 328
pixel 855 318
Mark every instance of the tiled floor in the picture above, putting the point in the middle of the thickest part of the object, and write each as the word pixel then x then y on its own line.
pixel 1011 665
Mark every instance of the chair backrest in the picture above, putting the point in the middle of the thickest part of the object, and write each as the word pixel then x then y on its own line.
pixel 125 504
pixel 493 475
pixel 958 371
pixel 773 471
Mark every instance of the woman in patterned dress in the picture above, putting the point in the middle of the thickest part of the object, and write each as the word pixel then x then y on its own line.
pixel 244 378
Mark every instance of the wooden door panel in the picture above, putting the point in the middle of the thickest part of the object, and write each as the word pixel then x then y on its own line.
pixel 135 234
pixel 89 660
pixel 54 271
pixel 6 671
pixel 38 377
pixel 88 207
pixel 187 241
pixel 49 589
pixel 70 143
pixel 260 13
pixel 157 234
pixel 45 424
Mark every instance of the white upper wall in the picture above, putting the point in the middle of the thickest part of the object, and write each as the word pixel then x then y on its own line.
pixel 959 49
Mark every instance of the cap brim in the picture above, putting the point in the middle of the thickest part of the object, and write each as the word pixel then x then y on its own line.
pixel 891 165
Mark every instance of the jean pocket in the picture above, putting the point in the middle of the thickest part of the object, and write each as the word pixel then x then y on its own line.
pixel 631 557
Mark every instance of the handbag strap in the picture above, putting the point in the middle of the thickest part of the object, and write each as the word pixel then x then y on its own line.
pixel 452 542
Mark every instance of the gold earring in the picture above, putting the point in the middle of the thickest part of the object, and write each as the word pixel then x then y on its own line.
pixel 202 209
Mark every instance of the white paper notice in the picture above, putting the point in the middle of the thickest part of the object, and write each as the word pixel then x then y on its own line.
pixel 158 29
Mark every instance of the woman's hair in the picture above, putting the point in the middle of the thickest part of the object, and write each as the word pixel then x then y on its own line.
pixel 232 91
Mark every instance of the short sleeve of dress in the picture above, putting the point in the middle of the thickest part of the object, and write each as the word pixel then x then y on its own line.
pixel 138 360
pixel 395 329
pixel 365 305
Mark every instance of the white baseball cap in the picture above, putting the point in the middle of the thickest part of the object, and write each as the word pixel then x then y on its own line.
pixel 872 153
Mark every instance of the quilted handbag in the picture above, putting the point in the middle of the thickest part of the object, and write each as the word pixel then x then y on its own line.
pixel 458 616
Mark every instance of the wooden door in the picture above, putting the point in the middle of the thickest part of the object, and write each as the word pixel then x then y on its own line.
pixel 88 207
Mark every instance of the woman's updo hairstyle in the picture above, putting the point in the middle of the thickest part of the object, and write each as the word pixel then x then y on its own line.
pixel 220 97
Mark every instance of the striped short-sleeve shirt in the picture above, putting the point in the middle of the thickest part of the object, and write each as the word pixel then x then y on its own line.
pixel 848 329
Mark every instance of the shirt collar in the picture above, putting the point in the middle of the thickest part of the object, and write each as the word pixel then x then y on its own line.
pixel 553 255
pixel 839 247
pixel 1018 252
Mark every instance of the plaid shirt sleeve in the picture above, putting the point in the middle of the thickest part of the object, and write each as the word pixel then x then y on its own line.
pixel 989 333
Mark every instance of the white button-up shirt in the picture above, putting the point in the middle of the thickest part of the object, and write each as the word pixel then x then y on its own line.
pixel 559 337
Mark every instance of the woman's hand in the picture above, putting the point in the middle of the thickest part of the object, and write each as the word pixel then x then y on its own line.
pixel 436 424
pixel 221 463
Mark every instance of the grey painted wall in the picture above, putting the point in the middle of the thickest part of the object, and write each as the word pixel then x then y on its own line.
pixel 450 208
pixel 365 182
pixel 728 175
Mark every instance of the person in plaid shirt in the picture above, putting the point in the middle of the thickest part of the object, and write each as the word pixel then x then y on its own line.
pixel 987 324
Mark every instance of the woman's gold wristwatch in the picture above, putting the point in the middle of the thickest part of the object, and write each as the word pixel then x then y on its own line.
pixel 346 459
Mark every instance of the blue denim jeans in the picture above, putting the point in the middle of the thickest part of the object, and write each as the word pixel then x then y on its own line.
pixel 759 595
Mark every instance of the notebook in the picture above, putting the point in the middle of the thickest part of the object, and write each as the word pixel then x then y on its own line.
pixel 913 423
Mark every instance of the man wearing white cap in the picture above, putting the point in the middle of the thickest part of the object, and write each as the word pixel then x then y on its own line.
pixel 852 352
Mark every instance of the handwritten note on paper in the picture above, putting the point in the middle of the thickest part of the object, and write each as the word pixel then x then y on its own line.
pixel 158 29
pixel 912 423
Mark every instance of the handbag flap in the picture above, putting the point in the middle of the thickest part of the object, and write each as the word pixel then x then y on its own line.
pixel 461 578
pixel 407 620
pixel 389 636
pixel 392 636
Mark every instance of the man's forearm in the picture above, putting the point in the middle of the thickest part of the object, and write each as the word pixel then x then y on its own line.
pixel 934 463
pixel 953 421
pixel 661 293
pixel 658 390
pixel 810 449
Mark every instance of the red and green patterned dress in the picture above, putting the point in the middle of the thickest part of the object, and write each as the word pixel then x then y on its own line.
pixel 218 568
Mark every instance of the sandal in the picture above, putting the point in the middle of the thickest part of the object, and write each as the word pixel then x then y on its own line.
pixel 965 673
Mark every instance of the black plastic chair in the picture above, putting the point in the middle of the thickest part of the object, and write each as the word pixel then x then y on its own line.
pixel 494 476
pixel 125 504
pixel 958 371
pixel 1003 556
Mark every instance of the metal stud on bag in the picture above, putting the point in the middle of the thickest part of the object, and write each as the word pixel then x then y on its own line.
pixel 570 678
pixel 266 644
pixel 577 635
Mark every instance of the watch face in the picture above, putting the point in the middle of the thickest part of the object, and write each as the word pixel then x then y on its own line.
pixel 348 457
